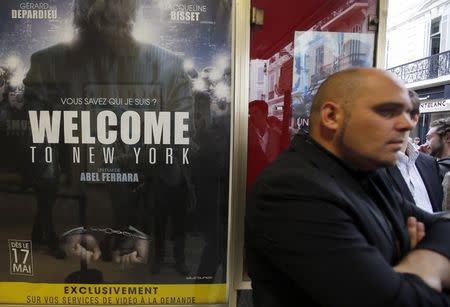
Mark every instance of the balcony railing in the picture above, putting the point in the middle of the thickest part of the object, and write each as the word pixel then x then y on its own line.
pixel 434 66
pixel 341 62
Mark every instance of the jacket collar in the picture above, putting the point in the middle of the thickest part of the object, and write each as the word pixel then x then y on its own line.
pixel 312 150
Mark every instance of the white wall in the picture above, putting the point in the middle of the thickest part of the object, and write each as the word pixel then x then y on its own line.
pixel 408 29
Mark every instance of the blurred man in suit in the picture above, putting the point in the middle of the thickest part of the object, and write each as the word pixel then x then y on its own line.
pixel 416 174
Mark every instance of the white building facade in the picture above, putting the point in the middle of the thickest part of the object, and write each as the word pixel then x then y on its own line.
pixel 418 52
pixel 416 29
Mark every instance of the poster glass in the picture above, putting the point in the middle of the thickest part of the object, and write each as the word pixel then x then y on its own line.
pixel 318 55
pixel 114 156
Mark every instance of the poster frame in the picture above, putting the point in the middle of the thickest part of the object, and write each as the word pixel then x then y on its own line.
pixel 239 152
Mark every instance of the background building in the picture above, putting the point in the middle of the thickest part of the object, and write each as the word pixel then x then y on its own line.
pixel 418 51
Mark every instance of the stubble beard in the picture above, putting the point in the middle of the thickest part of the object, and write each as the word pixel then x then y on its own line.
pixel 437 151
pixel 344 149
pixel 361 162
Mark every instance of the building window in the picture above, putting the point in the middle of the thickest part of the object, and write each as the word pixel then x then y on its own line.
pixel 260 74
pixel 356 29
pixel 435 36
pixel 272 81
pixel 352 52
pixel 319 59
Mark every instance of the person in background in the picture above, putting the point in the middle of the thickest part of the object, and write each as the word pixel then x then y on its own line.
pixel 263 140
pixel 416 142
pixel 416 174
pixel 438 143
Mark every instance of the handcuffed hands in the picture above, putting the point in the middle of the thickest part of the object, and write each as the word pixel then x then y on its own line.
pixel 83 246
pixel 139 254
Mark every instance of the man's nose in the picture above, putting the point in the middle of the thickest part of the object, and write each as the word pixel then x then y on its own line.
pixel 405 122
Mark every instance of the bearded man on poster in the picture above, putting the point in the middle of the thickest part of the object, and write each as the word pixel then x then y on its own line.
pixel 105 61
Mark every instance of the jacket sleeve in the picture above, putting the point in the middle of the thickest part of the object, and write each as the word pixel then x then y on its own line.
pixel 317 245
pixel 437 228
pixel 437 225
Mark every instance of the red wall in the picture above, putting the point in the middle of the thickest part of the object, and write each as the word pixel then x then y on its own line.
pixel 281 19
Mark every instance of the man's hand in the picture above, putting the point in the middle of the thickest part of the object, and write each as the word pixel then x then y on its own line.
pixel 416 231
pixel 83 246
pixel 425 148
pixel 138 255
pixel 433 268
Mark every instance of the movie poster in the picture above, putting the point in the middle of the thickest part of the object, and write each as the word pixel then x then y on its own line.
pixel 318 55
pixel 114 156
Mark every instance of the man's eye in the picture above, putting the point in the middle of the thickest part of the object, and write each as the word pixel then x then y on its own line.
pixel 390 110
pixel 430 136
pixel 387 113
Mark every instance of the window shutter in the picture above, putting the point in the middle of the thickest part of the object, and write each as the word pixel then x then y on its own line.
pixel 444 31
pixel 427 47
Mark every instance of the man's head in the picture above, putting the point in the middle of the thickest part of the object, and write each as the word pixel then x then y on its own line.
pixel 104 19
pixel 414 114
pixel 258 111
pixel 438 138
pixel 361 115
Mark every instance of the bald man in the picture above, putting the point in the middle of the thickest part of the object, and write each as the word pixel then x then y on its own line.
pixel 324 226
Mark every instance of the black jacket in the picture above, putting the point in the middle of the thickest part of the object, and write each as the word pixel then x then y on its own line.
pixel 315 238
pixel 431 177
pixel 444 165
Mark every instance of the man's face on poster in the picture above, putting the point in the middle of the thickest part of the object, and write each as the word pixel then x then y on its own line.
pixel 109 18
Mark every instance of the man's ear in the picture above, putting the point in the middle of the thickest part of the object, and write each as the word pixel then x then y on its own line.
pixel 446 137
pixel 331 115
